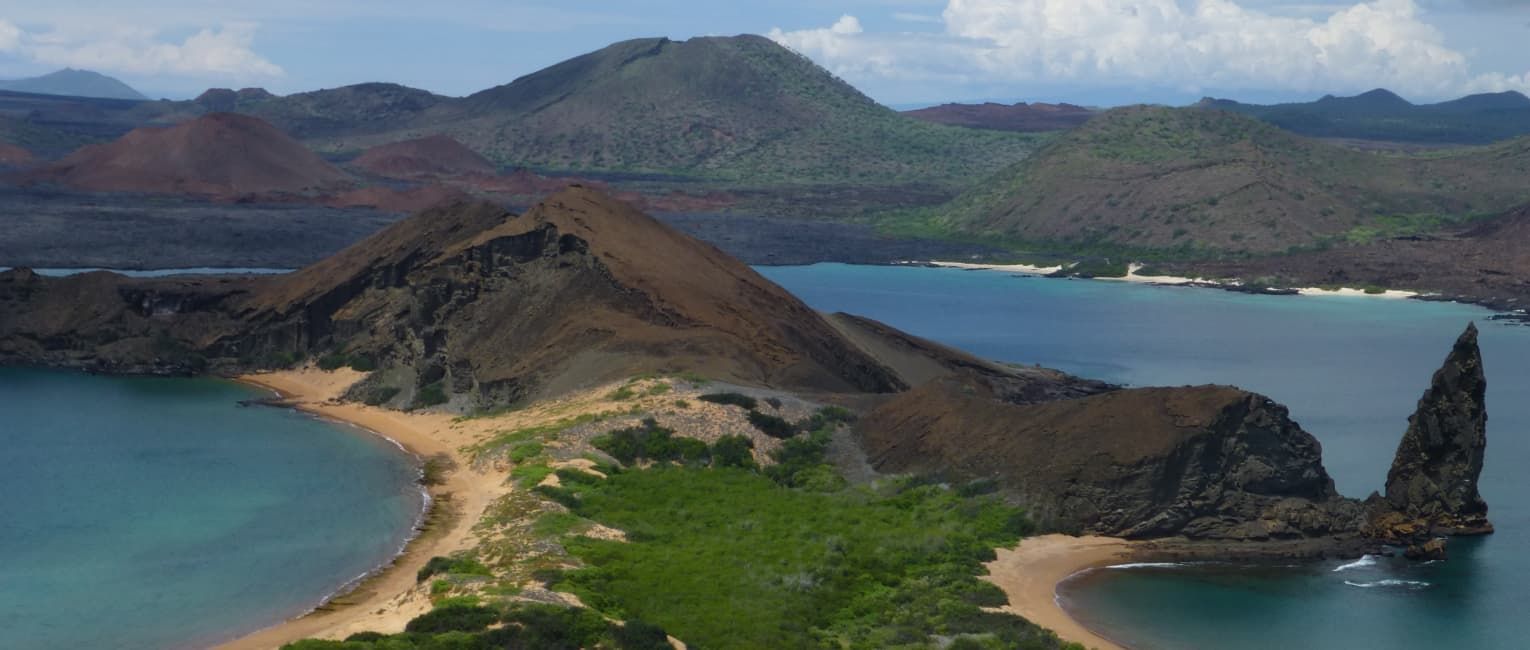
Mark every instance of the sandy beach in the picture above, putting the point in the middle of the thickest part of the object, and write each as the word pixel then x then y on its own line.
pixel 387 601
pixel 1030 572
pixel 1133 276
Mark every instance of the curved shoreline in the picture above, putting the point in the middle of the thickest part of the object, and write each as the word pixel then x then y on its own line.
pixel 388 596
pixel 1030 573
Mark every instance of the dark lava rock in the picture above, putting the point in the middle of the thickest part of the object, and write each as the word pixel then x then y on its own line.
pixel 1433 549
pixel 1432 486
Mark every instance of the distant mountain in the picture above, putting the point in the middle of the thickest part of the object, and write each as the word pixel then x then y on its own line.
pixel 220 154
pixel 346 111
pixel 1382 115
pixel 735 109
pixel 1004 117
pixel 74 83
pixel 1199 182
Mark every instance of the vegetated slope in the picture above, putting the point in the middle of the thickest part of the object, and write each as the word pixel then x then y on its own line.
pixel 349 110
pixel 739 108
pixel 1485 262
pixel 218 154
pixel 1004 117
pixel 74 83
pixel 1382 115
pixel 1197 182
pixel 431 156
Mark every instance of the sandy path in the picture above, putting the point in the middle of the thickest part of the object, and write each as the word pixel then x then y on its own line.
pixel 389 600
pixel 1029 574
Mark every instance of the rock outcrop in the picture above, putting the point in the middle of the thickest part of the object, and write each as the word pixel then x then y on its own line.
pixel 1209 462
pixel 1431 489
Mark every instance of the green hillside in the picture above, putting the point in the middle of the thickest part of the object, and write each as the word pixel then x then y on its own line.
pixel 729 109
pixel 1196 182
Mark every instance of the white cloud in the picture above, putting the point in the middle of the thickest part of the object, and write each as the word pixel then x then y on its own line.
pixel 223 52
pixel 1188 46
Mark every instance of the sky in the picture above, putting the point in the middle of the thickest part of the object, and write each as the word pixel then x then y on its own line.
pixel 900 52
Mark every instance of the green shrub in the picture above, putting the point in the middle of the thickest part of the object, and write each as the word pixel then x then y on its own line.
pixel 451 566
pixel 362 363
pixel 431 395
pixel 530 475
pixel 640 635
pixel 731 399
pixel 333 361
pixel 525 451
pixel 771 425
pixel 733 451
pixel 453 618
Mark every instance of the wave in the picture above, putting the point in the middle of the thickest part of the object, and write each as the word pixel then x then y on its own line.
pixel 1366 561
pixel 1410 584
pixel 1150 565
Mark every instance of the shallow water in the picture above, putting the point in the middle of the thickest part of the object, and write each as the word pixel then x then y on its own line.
pixel 1350 369
pixel 157 513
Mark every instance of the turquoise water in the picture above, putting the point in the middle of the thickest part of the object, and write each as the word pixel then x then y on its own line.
pixel 1350 369
pixel 157 513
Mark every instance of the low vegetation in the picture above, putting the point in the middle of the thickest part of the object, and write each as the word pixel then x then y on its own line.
pixel 467 625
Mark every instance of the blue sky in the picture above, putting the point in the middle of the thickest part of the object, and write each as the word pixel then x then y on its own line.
pixel 898 51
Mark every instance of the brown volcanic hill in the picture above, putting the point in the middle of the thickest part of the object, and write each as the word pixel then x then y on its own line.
pixel 14 156
pixel 431 156
pixel 578 290
pixel 216 154
pixel 490 307
pixel 1005 117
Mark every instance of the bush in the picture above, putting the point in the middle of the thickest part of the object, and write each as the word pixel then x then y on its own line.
pixel 646 442
pixel 733 451
pixel 451 566
pixel 362 363
pixel 550 626
pixel 640 635
pixel 333 361
pixel 525 451
pixel 431 395
pixel 731 399
pixel 456 618
pixel 772 426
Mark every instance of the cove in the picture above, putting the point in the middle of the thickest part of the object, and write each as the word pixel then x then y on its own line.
pixel 159 513
pixel 1350 369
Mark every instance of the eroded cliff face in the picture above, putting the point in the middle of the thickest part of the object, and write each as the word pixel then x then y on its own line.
pixel 1209 462
pixel 1431 488
pixel 1202 463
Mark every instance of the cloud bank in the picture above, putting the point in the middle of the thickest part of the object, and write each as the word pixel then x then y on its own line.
pixel 1187 46
pixel 224 52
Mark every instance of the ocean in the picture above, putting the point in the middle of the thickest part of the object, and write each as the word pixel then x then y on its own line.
pixel 1351 370
pixel 156 513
